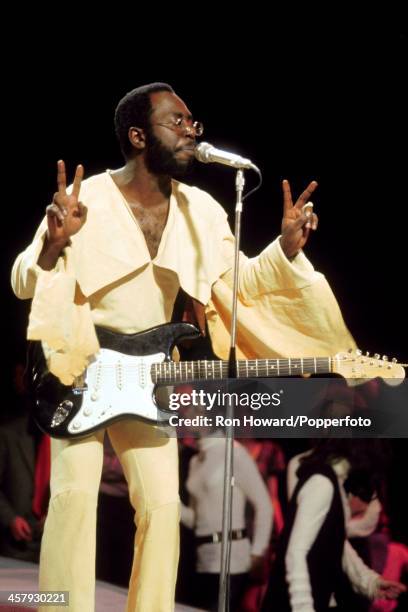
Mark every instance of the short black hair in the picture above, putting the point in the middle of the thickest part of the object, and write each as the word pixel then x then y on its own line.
pixel 134 109
pixel 369 459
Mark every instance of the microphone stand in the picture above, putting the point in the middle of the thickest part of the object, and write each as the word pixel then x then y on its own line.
pixel 223 592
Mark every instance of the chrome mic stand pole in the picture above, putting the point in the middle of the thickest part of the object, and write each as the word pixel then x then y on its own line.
pixel 223 593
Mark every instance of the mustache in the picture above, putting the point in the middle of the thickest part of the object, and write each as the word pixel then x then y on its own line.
pixel 190 147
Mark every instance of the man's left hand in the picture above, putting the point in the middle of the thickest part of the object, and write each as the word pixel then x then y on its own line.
pixel 296 222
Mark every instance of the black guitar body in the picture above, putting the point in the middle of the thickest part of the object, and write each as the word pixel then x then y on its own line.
pixel 56 405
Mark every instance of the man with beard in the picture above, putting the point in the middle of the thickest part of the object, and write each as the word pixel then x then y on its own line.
pixel 114 251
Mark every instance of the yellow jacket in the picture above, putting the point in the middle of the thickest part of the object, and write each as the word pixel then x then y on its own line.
pixel 107 277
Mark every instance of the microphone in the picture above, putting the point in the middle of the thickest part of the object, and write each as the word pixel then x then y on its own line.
pixel 206 153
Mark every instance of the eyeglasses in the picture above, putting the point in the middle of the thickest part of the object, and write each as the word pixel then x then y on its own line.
pixel 180 124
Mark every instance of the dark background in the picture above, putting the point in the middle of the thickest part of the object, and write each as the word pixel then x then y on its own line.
pixel 319 100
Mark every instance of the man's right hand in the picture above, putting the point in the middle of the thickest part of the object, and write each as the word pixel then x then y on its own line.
pixel 66 214
pixel 20 529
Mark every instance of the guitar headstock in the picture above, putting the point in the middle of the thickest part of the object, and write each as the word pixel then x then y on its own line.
pixel 355 365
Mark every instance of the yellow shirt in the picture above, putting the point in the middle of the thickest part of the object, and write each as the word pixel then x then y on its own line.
pixel 107 277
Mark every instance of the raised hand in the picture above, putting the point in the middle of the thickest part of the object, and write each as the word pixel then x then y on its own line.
pixel 66 214
pixel 296 223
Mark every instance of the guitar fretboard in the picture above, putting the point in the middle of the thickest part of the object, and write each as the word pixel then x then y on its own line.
pixel 170 372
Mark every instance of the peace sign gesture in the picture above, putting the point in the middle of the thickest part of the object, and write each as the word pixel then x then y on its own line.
pixel 297 221
pixel 66 214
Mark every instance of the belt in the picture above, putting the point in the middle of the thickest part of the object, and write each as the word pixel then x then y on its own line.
pixel 237 534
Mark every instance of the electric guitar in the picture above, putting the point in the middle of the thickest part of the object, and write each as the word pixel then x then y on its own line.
pixel 121 382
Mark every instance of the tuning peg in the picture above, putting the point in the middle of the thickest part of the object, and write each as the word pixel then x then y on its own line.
pixel 367 353
pixel 358 352
pixel 384 358
pixel 377 356
pixel 394 360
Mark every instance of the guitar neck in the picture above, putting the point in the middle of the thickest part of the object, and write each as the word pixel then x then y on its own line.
pixel 171 372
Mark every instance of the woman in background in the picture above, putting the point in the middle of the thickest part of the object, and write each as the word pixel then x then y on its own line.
pixel 314 558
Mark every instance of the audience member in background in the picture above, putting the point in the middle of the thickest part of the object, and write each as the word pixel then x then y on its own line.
pixel 204 515
pixel 314 560
pixel 24 478
pixel 271 464
pixel 395 567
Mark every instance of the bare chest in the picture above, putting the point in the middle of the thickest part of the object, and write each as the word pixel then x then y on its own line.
pixel 152 222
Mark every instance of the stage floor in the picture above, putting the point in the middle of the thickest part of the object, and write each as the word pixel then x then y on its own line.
pixel 21 576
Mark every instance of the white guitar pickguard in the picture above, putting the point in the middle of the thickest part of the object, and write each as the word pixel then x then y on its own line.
pixel 117 384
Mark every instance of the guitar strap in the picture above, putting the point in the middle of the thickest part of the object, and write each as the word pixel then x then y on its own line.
pixel 190 310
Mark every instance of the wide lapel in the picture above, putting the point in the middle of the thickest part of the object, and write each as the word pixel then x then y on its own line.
pixel 111 244
pixel 189 247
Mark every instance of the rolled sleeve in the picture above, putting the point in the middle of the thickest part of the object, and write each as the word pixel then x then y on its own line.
pixel 25 271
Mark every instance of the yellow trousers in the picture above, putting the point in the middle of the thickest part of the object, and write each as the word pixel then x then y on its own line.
pixel 67 561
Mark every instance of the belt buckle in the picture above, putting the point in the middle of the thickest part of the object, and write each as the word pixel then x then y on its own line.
pixel 215 538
